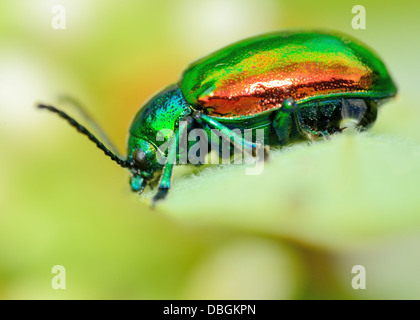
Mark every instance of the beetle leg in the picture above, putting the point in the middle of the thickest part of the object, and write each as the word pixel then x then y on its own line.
pixel 165 178
pixel 302 127
pixel 235 139
pixel 283 121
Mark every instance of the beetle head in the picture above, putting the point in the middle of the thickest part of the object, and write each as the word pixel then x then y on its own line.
pixel 144 163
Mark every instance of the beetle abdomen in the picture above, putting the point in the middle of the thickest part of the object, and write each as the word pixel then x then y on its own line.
pixel 258 74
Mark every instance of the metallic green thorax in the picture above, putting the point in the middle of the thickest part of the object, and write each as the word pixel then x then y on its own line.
pixel 161 114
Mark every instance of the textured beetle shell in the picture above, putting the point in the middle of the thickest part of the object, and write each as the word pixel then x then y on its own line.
pixel 256 75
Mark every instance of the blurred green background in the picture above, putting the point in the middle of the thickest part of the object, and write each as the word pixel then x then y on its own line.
pixel 294 232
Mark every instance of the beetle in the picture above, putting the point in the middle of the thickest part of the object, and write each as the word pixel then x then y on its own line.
pixel 292 84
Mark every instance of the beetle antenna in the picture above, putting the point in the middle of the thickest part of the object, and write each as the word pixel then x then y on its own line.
pixel 86 132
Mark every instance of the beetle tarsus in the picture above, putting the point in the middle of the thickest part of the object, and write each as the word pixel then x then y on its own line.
pixel 142 188
pixel 255 150
pixel 266 153
pixel 160 195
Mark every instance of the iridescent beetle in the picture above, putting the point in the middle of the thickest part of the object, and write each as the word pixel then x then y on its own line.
pixel 291 84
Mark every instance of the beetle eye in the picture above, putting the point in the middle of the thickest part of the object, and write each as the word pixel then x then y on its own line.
pixel 140 158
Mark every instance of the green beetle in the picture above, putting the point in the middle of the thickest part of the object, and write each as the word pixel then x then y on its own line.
pixel 291 85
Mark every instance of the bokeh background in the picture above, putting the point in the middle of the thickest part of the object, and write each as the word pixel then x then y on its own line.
pixel 294 232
